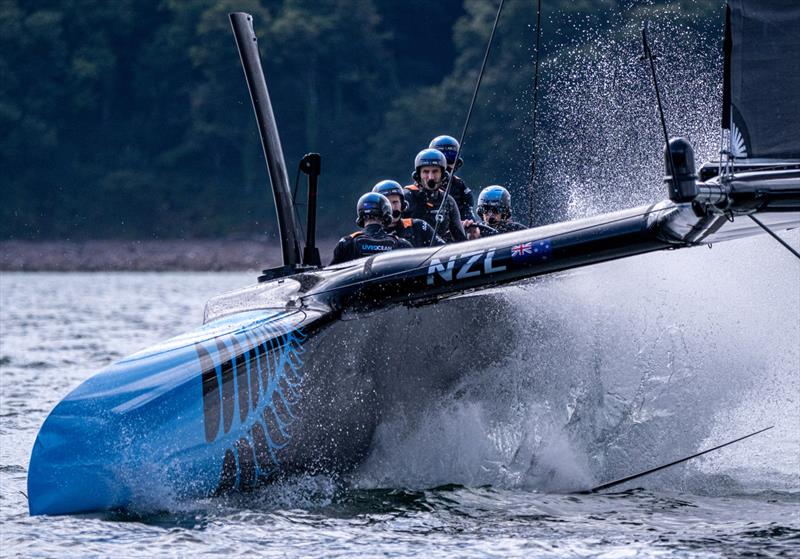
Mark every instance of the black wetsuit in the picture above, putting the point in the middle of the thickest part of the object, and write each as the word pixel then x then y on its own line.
pixel 415 231
pixel 373 239
pixel 463 197
pixel 424 204
pixel 500 227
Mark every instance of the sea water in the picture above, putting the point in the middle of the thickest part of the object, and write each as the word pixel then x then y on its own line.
pixel 584 377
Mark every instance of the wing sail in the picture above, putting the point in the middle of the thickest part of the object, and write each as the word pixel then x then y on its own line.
pixel 762 78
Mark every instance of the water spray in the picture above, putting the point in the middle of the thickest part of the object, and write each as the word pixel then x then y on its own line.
pixel 535 112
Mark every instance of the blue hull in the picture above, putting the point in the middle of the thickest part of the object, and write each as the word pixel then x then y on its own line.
pixel 203 413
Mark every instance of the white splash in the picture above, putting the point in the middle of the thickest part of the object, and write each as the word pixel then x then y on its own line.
pixel 613 369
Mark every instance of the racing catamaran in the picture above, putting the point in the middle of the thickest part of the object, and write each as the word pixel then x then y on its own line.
pixel 253 394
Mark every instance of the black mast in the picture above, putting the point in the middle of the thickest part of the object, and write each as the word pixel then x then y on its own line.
pixel 247 43
pixel 727 49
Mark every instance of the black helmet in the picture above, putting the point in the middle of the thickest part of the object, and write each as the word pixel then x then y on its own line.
pixel 389 187
pixel 495 196
pixel 429 158
pixel 449 147
pixel 375 205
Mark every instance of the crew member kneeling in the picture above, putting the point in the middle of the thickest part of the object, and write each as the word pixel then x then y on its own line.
pixel 415 231
pixel 426 197
pixel 374 213
pixel 494 208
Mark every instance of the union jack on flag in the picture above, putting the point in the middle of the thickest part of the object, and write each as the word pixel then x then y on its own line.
pixel 536 251
pixel 522 250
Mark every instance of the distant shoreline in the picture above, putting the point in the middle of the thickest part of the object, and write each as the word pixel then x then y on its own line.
pixel 141 256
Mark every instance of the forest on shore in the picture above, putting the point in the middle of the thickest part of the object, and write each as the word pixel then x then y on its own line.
pixel 130 119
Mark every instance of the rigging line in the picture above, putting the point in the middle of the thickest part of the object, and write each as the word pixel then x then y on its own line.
pixel 620 481
pixel 439 217
pixel 653 209
pixel 772 234
pixel 648 54
pixel 535 111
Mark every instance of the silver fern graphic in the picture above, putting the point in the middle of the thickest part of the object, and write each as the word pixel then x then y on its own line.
pixel 258 372
pixel 738 147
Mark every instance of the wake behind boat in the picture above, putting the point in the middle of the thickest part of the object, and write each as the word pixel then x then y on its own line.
pixel 260 391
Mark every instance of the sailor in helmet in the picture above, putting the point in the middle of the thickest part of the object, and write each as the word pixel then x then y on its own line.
pixel 374 213
pixel 494 208
pixel 425 196
pixel 415 231
pixel 458 189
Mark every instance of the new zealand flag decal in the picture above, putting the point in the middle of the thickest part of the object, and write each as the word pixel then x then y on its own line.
pixel 532 251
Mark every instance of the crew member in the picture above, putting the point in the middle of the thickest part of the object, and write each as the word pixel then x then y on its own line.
pixel 494 208
pixel 458 189
pixel 415 231
pixel 425 196
pixel 374 213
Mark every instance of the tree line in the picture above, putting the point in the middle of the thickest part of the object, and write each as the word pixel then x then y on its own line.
pixel 131 119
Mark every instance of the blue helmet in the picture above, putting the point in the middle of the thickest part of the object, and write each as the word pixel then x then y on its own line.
pixel 448 146
pixel 373 205
pixel 389 187
pixel 497 197
pixel 430 158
